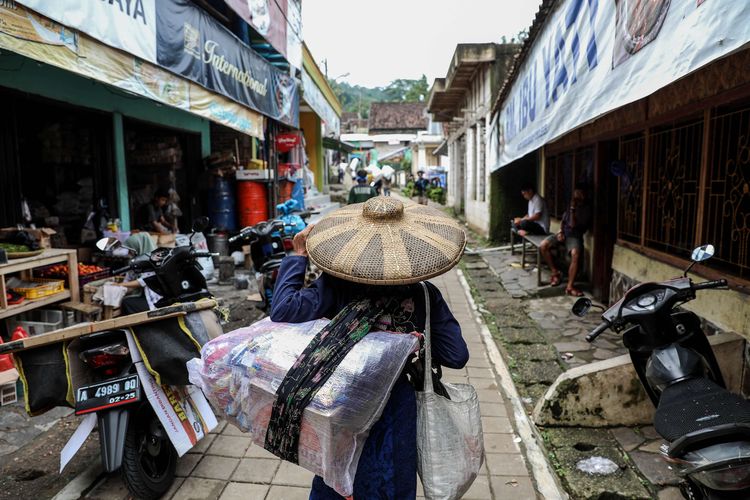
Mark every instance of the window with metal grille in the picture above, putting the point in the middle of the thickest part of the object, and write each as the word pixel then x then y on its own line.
pixel 562 173
pixel 629 170
pixel 672 188
pixel 726 209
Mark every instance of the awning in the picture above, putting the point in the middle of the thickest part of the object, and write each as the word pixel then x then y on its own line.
pixel 394 154
pixel 336 145
pixel 442 149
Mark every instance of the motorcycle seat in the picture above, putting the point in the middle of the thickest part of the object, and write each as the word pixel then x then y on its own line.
pixel 696 404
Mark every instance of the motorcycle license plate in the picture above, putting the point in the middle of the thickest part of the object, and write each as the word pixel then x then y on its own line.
pixel 108 394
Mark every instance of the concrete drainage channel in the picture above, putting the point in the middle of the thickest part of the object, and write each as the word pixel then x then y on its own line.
pixel 626 461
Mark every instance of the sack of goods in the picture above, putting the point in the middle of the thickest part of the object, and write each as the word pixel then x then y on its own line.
pixel 241 371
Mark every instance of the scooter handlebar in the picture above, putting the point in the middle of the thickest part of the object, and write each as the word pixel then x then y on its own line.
pixel 597 331
pixel 121 270
pixel 710 284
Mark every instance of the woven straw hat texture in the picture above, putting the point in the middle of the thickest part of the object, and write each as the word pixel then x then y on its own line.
pixel 386 242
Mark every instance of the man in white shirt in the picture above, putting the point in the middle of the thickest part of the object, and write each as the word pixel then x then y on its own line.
pixel 536 220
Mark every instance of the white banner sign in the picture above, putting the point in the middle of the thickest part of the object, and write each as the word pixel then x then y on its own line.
pixel 317 101
pixel 593 56
pixel 129 25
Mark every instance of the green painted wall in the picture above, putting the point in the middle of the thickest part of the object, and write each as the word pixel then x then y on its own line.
pixel 121 172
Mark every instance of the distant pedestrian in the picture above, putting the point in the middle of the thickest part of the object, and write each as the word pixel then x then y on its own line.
pixel 362 191
pixel 386 186
pixel 420 188
pixel 342 169
pixel 536 220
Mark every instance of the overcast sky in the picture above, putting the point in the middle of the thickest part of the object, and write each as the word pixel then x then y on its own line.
pixel 377 41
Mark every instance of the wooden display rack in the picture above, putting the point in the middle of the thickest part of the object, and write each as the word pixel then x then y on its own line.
pixel 25 267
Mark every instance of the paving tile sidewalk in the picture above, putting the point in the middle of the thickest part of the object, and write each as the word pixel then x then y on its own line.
pixel 228 466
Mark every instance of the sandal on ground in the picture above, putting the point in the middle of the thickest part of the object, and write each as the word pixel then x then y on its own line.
pixel 573 292
pixel 555 279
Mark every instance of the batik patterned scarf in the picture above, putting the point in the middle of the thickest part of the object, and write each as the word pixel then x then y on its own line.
pixel 314 367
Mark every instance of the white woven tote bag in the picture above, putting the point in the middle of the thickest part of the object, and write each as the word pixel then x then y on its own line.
pixel 450 445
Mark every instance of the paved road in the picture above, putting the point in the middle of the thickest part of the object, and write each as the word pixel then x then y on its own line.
pixel 228 466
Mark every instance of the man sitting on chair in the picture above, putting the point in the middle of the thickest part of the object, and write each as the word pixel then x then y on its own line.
pixel 575 222
pixel 536 221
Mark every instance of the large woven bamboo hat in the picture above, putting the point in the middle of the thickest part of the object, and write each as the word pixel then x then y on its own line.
pixel 386 242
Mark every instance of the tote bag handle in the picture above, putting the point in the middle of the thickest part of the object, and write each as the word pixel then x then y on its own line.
pixel 427 346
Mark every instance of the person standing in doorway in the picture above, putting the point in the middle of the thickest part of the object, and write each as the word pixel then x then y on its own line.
pixel 362 191
pixel 536 220
pixel 420 188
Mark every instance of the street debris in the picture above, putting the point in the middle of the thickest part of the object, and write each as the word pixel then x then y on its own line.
pixel 597 466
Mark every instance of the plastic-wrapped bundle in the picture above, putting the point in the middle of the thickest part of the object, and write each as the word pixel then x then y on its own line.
pixel 240 372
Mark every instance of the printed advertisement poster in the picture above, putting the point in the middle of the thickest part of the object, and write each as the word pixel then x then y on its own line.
pixel 183 411
pixel 193 44
pixel 637 24
pixel 129 25
pixel 25 25
pixel 592 57
pixel 32 35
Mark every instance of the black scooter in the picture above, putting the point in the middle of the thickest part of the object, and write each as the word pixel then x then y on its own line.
pixel 706 426
pixel 270 241
pixel 131 435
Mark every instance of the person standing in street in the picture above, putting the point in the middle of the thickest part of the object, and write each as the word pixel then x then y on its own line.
pixel 362 191
pixel 575 222
pixel 388 295
pixel 420 187
pixel 536 220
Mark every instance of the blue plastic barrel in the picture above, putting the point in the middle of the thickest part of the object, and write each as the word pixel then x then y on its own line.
pixel 221 208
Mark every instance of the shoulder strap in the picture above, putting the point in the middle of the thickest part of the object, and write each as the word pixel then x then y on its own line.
pixel 427 345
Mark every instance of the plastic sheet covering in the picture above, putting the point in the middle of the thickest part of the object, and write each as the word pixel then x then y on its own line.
pixel 240 372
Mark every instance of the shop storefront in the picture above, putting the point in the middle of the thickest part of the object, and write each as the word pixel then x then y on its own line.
pixel 659 141
pixel 152 128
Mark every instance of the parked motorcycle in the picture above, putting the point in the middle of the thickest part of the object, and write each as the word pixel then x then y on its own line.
pixel 131 435
pixel 707 427
pixel 270 241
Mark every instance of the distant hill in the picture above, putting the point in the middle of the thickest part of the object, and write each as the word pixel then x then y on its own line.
pixel 357 99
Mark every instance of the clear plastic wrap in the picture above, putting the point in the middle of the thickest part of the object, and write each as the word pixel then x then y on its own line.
pixel 240 372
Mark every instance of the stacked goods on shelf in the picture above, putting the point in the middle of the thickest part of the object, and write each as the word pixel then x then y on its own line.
pixel 222 161
pixel 165 150
pixel 86 272
pixel 65 142
pixel 35 288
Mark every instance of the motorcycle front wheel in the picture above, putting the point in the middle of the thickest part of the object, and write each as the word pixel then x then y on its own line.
pixel 149 459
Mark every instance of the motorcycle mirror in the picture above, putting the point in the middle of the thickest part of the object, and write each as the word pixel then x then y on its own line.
pixel 581 307
pixel 702 253
pixel 200 224
pixel 107 244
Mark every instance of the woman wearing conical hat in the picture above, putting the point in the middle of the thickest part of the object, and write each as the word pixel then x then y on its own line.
pixel 376 253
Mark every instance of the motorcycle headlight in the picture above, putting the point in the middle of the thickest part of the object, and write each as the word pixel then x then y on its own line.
pixel 725 478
